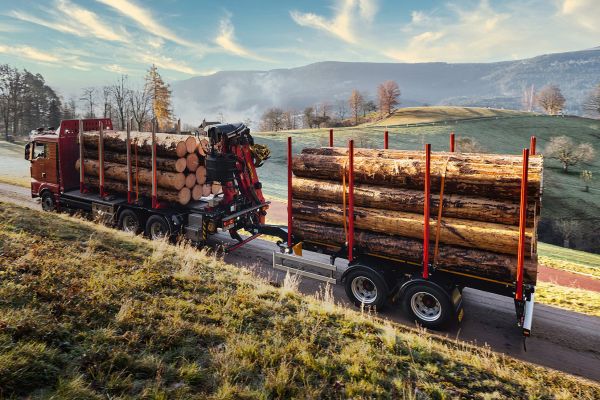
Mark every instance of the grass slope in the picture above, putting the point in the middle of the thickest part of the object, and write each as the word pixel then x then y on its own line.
pixel 423 115
pixel 14 169
pixel 87 312
pixel 569 260
pixel 572 299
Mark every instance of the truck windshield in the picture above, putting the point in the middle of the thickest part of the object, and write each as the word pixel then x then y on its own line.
pixel 40 150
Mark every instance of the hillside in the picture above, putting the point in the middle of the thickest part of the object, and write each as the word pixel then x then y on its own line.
pixel 246 94
pixel 88 312
pixel 425 115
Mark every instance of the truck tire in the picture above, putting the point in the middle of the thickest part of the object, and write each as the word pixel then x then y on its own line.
pixel 157 228
pixel 48 202
pixel 129 221
pixel 428 305
pixel 366 288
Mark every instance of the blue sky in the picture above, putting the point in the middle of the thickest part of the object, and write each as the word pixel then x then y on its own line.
pixel 76 43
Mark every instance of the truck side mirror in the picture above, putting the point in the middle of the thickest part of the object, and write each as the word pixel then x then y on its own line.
pixel 28 151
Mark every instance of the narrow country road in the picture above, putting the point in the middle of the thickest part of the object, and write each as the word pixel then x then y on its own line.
pixel 562 340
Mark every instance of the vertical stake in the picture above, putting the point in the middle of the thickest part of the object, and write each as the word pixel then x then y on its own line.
pixel 522 224
pixel 101 157
pixel 532 143
pixel 350 199
pixel 385 140
pixel 81 159
pixel 451 142
pixel 289 204
pixel 129 191
pixel 179 126
pixel 154 188
pixel 426 211
pixel 331 138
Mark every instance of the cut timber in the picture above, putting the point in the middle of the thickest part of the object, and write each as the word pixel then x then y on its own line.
pixel 190 180
pixel 499 181
pixel 201 175
pixel 185 195
pixel 473 208
pixel 478 263
pixel 203 147
pixel 471 234
pixel 167 145
pixel 144 190
pixel 118 172
pixel 192 162
pixel 206 189
pixel 191 143
pixel 143 161
pixel 197 192
pixel 216 188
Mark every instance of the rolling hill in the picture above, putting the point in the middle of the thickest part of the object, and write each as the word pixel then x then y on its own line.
pixel 246 94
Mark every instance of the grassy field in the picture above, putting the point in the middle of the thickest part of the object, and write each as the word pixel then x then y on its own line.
pixel 578 300
pixel 14 169
pixel 87 312
pixel 569 260
pixel 424 115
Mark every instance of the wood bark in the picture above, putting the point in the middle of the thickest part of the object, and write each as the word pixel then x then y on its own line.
pixel 192 162
pixel 144 190
pixel 471 234
pixel 201 175
pixel 191 143
pixel 143 161
pixel 387 198
pixel 484 264
pixel 494 181
pixel 118 172
pixel 167 145
pixel 190 180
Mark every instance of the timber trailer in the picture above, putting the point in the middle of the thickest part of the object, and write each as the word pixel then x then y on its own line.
pixel 430 296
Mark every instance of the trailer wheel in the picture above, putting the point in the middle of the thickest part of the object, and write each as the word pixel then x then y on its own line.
pixel 366 288
pixel 427 305
pixel 48 203
pixel 157 228
pixel 129 221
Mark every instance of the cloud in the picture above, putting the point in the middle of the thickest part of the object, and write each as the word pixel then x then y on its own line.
pixel 70 18
pixel 116 68
pixel 145 19
pixel 226 39
pixel 167 63
pixel 342 23
pixel 29 53
pixel 585 13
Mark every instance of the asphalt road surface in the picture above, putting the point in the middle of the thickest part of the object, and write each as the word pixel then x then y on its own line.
pixel 561 340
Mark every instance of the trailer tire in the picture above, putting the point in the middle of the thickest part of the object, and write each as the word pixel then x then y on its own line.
pixel 366 288
pixel 157 228
pixel 428 305
pixel 129 221
pixel 48 202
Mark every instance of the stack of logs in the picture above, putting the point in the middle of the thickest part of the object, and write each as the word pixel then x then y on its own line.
pixel 479 227
pixel 181 173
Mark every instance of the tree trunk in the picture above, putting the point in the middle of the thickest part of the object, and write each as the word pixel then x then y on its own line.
pixel 118 172
pixel 471 234
pixel 191 143
pixel 110 185
pixel 167 145
pixel 201 175
pixel 493 181
pixel 190 180
pixel 197 192
pixel 456 206
pixel 143 161
pixel 192 162
pixel 479 263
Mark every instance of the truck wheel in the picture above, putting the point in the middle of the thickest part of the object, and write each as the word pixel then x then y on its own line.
pixel 129 221
pixel 157 227
pixel 366 288
pixel 48 203
pixel 427 305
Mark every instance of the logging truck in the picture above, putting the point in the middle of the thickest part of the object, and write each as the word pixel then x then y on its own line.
pixel 137 187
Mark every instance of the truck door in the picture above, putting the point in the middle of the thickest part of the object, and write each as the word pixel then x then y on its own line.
pixel 44 171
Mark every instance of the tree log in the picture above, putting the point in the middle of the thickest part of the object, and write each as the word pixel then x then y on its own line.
pixel 144 190
pixel 191 143
pixel 197 192
pixel 206 189
pixel 471 234
pixel 473 208
pixel 216 188
pixel 185 195
pixel 201 175
pixel 479 263
pixel 203 147
pixel 460 177
pixel 190 180
pixel 118 172
pixel 144 161
pixel 167 144
pixel 192 162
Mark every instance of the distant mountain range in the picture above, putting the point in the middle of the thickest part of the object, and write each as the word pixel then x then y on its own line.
pixel 239 95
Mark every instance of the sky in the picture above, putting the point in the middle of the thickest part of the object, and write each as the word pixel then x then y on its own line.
pixel 78 43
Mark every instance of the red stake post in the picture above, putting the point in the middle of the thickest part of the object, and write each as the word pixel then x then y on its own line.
pixel 331 138
pixel 426 211
pixel 81 159
pixel 154 172
pixel 350 199
pixel 532 145
pixel 386 141
pixel 101 158
pixel 452 142
pixel 289 176
pixel 522 224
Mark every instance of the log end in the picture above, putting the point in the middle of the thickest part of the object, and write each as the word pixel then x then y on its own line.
pixel 181 149
pixel 180 164
pixel 184 196
pixel 191 143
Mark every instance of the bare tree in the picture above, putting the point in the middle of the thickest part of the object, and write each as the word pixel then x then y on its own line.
pixel 468 145
pixel 586 176
pixel 355 102
pixel 551 100
pixel 309 117
pixel 528 99
pixel 563 149
pixel 89 99
pixel 592 103
pixel 141 106
pixel 341 109
pixel 368 106
pixel 121 97
pixel 272 120
pixel 568 230
pixel 389 94
pixel 107 102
